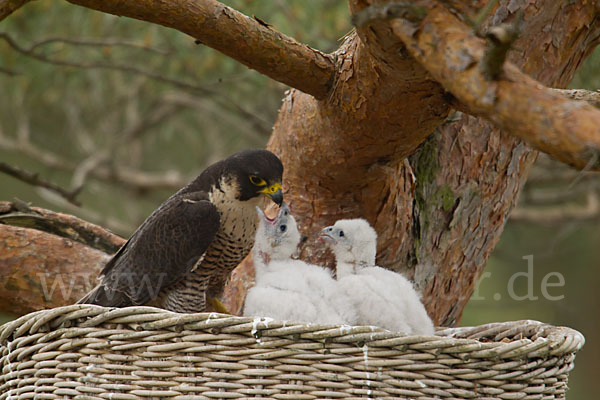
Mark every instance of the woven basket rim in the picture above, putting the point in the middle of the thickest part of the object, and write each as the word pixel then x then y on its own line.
pixel 505 340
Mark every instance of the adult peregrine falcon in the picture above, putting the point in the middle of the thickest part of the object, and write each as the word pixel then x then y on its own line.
pixel 185 250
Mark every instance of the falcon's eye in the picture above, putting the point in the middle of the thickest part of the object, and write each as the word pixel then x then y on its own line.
pixel 341 233
pixel 256 181
pixel 283 228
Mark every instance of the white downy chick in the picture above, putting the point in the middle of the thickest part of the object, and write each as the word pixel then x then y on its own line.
pixel 287 289
pixel 379 296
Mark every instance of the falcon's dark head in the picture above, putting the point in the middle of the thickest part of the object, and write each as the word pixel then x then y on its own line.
pixel 258 172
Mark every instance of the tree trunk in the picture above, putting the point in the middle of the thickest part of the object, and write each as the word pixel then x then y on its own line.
pixel 440 213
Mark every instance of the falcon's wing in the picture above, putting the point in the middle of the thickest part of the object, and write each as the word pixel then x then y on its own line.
pixel 160 253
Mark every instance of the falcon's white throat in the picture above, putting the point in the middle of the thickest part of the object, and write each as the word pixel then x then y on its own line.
pixel 237 217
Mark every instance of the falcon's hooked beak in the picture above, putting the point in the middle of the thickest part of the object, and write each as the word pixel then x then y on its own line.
pixel 273 192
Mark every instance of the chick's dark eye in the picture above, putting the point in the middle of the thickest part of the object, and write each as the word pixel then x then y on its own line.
pixel 341 233
pixel 257 181
pixel 283 228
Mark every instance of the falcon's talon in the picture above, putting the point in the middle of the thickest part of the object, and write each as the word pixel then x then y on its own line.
pixel 218 306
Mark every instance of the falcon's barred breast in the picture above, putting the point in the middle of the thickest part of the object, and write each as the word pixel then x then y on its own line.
pixel 186 249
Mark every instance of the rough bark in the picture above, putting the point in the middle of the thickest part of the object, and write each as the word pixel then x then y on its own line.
pixel 453 55
pixel 40 270
pixel 247 40
pixel 48 259
pixel 588 96
pixel 440 214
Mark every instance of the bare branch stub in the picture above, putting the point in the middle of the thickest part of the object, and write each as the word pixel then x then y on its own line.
pixel 35 180
pixel 500 40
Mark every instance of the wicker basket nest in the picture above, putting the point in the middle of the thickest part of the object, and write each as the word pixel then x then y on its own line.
pixel 92 352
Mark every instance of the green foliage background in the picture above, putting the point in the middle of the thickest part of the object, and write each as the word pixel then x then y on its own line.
pixel 73 114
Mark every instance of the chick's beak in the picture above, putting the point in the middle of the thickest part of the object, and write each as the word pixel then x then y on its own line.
pixel 274 192
pixel 325 235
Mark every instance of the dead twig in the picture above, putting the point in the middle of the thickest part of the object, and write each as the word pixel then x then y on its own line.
pixel 98 43
pixel 35 180
pixel 9 72
pixel 128 177
pixel 29 51
pixel 553 215
pixel 203 90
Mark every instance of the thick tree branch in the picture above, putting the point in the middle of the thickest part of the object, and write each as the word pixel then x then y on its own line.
pixel 449 50
pixel 592 97
pixel 50 259
pixel 64 225
pixel 244 39
pixel 40 270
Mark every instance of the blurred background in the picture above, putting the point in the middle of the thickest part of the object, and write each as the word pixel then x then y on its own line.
pixel 122 113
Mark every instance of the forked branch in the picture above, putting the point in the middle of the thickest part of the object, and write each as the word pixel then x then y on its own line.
pixel 451 52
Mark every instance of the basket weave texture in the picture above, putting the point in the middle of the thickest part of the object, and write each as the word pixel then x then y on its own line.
pixel 92 352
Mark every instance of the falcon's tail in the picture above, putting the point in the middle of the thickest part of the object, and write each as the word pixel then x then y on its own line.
pixel 103 296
